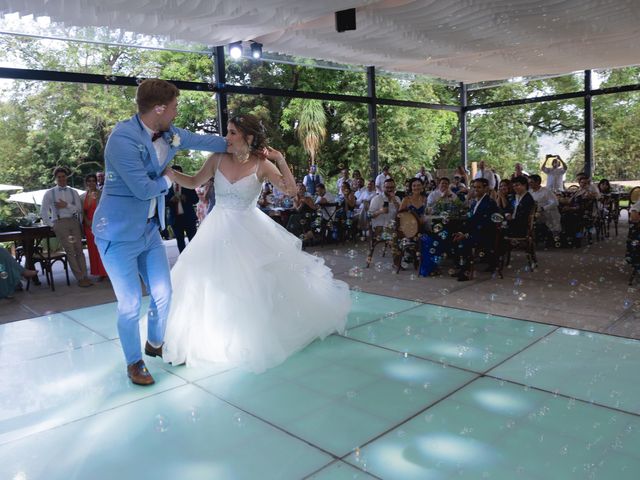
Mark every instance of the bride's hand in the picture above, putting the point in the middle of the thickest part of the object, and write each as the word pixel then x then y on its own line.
pixel 272 154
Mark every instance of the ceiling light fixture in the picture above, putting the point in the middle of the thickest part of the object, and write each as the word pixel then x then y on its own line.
pixel 235 50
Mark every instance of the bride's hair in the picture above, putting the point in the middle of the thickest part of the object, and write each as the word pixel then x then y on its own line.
pixel 251 125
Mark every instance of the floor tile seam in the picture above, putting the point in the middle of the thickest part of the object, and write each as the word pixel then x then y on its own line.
pixel 563 395
pixel 465 309
pixel 377 319
pixel 415 415
pixel 336 461
pixel 91 415
pixel 436 362
pixel 529 345
pixel 78 322
pixel 59 352
pixel 627 314
pixel 268 422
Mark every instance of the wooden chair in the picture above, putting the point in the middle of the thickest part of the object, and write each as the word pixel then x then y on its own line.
pixel 39 250
pixel 526 243
pixel 380 235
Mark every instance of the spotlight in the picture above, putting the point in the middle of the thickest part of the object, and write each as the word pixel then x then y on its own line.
pixel 256 50
pixel 235 50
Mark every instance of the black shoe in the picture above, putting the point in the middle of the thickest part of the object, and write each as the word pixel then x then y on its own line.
pixel 463 278
pixel 153 351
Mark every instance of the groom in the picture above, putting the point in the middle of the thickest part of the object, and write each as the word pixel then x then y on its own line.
pixel 131 211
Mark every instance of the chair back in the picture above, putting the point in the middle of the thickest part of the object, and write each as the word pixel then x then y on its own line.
pixel 532 221
pixel 573 188
pixel 407 224
pixel 634 195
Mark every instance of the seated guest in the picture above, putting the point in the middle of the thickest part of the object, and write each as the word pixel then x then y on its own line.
pixel 343 178
pixel 265 200
pixel 485 172
pixel 322 198
pixel 202 208
pixel 347 201
pixel 300 221
pixel 632 255
pixel 479 231
pixel 442 193
pixel 547 204
pixel 459 188
pixel 10 274
pixel 355 177
pixel 415 202
pixel 363 199
pixel 555 172
pixel 604 187
pixel 61 209
pixel 463 174
pixel 518 221
pixel 505 197
pixel 384 207
pixel 586 190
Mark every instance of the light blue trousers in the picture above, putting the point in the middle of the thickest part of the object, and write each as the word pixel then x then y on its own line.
pixel 125 263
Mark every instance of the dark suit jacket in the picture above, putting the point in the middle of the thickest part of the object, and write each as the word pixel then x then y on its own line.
pixel 480 227
pixel 190 198
pixel 519 224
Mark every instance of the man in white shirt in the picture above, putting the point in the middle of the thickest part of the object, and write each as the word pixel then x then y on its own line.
pixel 322 198
pixel 344 177
pixel 443 191
pixel 384 207
pixel 62 210
pixel 380 179
pixel 555 173
pixel 424 176
pixel 547 203
pixel 485 172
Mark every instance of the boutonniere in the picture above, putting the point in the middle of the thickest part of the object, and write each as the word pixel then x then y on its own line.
pixel 175 140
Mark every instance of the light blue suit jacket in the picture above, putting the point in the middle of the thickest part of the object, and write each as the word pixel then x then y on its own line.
pixel 133 177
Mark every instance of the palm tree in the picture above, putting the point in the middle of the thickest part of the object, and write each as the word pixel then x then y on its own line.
pixel 312 127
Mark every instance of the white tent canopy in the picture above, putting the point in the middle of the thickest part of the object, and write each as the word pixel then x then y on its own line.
pixel 9 188
pixel 460 40
pixel 35 197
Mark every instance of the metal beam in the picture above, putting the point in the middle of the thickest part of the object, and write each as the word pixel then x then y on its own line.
pixel 373 121
pixel 588 125
pixel 221 93
pixel 462 115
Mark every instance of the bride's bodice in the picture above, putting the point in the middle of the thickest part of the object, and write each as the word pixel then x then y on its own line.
pixel 240 195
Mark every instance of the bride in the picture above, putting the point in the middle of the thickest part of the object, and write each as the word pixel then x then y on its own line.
pixel 245 294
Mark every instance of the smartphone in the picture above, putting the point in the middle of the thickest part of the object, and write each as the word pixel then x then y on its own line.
pixel 385 205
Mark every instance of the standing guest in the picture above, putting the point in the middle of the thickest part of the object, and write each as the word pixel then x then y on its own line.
pixel 355 178
pixel 311 180
pixel 485 172
pixel 381 178
pixel 365 194
pixel 90 200
pixel 464 175
pixel 424 176
pixel 202 208
pixel 100 180
pixel 555 173
pixel 518 221
pixel 10 274
pixel 519 171
pixel 131 210
pixel 62 210
pixel 343 178
pixel 182 214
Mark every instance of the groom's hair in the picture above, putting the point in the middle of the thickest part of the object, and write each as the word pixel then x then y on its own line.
pixel 152 92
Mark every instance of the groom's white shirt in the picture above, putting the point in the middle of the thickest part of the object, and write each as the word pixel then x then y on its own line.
pixel 162 150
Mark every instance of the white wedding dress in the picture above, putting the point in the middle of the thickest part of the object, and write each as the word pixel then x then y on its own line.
pixel 244 293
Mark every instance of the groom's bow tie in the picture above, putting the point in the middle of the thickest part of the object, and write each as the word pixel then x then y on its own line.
pixel 156 135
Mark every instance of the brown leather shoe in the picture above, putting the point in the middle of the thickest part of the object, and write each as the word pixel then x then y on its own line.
pixel 139 374
pixel 153 351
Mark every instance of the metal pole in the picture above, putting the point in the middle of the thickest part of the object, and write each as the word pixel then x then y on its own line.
pixel 373 121
pixel 588 125
pixel 463 125
pixel 221 81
